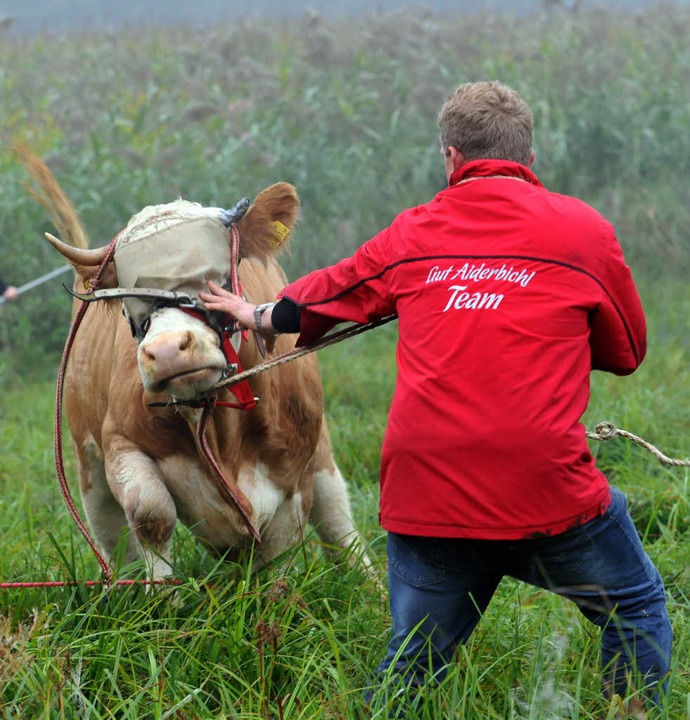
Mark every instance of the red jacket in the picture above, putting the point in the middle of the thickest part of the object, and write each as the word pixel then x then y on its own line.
pixel 507 296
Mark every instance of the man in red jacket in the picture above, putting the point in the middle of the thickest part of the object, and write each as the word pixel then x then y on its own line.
pixel 507 297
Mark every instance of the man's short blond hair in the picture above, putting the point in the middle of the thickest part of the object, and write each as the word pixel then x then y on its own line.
pixel 487 120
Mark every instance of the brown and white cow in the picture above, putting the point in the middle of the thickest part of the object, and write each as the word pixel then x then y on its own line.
pixel 139 464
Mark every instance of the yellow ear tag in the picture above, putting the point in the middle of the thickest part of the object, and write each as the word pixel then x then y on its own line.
pixel 282 231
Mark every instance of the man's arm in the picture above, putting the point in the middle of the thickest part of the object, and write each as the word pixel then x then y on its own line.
pixel 9 292
pixel 353 289
pixel 618 330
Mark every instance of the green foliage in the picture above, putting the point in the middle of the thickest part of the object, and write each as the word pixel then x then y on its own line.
pixel 347 113
pixel 345 110
pixel 299 641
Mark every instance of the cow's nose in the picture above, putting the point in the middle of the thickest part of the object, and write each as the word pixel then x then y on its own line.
pixel 167 346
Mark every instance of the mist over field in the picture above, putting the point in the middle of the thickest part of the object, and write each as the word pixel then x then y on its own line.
pixel 63 15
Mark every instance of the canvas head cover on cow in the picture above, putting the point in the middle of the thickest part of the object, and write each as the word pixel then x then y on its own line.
pixel 140 458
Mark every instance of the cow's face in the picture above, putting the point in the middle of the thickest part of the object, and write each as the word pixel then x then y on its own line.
pixel 175 249
pixel 180 355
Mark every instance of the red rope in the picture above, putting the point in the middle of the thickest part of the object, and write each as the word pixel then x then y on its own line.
pixel 246 401
pixel 57 434
pixel 87 583
pixel 233 496
pixel 235 260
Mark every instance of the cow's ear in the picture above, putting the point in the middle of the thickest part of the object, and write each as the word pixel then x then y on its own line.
pixel 87 273
pixel 265 227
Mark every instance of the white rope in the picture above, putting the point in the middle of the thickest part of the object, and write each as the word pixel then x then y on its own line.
pixel 39 281
pixel 335 337
pixel 607 430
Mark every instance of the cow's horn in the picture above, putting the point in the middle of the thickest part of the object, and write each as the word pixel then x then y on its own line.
pixel 78 256
pixel 235 213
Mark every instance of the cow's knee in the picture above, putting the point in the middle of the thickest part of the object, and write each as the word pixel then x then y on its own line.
pixel 153 526
pixel 152 520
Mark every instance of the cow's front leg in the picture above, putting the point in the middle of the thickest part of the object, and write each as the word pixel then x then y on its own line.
pixel 330 511
pixel 103 512
pixel 136 482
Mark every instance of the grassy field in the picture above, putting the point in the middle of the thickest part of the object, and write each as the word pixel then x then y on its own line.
pixel 346 112
pixel 298 641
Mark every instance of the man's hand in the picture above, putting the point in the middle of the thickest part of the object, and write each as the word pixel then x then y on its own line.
pixel 220 300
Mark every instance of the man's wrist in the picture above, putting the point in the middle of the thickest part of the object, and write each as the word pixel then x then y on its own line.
pixel 259 311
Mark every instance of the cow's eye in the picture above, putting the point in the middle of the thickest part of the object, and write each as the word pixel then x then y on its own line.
pixel 145 324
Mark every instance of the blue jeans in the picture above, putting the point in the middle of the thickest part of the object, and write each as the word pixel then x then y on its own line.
pixel 439 588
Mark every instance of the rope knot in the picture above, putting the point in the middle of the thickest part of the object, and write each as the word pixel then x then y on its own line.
pixel 605 430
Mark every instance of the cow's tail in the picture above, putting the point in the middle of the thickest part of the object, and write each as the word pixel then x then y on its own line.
pixel 47 192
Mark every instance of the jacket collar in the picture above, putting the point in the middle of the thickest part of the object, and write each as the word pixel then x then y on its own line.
pixel 493 168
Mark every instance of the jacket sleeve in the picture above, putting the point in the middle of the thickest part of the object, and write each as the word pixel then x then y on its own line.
pixel 354 290
pixel 618 331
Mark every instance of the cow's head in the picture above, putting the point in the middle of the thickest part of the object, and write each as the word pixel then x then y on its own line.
pixel 162 259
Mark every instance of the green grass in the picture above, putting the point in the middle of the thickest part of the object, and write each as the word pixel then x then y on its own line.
pixel 298 641
pixel 345 111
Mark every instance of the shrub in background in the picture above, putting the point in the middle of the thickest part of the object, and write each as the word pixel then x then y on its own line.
pixel 345 110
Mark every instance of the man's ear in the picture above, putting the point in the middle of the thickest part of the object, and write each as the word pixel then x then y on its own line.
pixel 456 157
pixel 531 158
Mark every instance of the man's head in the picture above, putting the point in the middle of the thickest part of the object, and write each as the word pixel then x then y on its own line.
pixel 485 120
